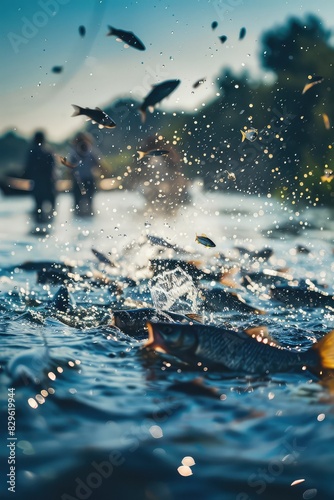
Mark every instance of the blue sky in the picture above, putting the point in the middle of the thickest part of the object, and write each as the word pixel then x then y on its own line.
pixel 39 34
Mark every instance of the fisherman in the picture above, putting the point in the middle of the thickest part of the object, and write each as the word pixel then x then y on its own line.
pixel 84 162
pixel 40 168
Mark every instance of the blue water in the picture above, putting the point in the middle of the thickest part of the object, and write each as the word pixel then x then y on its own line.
pixel 111 421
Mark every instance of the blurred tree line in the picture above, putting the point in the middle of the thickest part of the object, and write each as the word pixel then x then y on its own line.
pixel 294 144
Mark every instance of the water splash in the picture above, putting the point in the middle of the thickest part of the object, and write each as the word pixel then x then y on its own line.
pixel 174 291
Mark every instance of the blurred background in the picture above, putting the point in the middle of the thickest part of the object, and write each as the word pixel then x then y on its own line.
pixel 55 53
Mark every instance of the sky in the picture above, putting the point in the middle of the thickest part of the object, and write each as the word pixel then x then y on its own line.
pixel 180 43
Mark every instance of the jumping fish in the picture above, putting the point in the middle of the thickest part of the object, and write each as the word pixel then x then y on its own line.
pixel 237 350
pixel 159 92
pixel 96 115
pixel 127 37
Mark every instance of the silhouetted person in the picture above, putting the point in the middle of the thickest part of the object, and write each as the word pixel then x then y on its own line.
pixel 40 168
pixel 85 162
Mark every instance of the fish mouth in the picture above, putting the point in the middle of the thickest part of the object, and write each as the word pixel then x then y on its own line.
pixel 155 340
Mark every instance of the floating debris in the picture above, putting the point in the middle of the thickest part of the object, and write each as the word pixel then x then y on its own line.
pixel 326 121
pixel 315 81
pixel 199 82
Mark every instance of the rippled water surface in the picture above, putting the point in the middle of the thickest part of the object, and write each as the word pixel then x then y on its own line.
pixel 109 420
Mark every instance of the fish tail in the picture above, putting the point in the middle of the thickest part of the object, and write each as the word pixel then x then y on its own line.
pixel 142 114
pixel 111 31
pixel 325 349
pixel 243 135
pixel 141 154
pixel 77 110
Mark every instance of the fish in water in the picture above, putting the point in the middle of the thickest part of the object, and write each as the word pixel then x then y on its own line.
pixel 96 115
pixel 251 134
pixel 241 351
pixel 299 296
pixel 82 31
pixel 62 300
pixel 223 38
pixel 214 25
pixel 242 33
pixel 152 152
pixel 127 37
pixel 157 94
pixel 314 81
pixel 133 321
pixel 204 240
pixel 199 82
pixel 102 258
pixel 218 299
pixel 57 69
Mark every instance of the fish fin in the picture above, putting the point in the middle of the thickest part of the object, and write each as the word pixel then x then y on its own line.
pixel 261 334
pixel 153 342
pixel 243 135
pixel 142 115
pixel 227 280
pixel 101 126
pixel 141 154
pixel 195 263
pixel 325 348
pixel 111 31
pixel 77 110
pixel 195 317
pixel 151 109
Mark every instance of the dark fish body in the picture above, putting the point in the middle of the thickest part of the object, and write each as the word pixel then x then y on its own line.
pixel 102 258
pixel 205 241
pixel 44 264
pixel 237 351
pixel 198 83
pixel 159 92
pixel 214 25
pixel 219 299
pixel 302 297
pixel 242 33
pixel 263 254
pixel 223 38
pixel 127 37
pixel 57 69
pixel 96 115
pixel 153 152
pixel 82 31
pixel 62 300
pixel 133 321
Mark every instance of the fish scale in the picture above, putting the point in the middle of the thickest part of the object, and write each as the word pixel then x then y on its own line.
pixel 235 350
